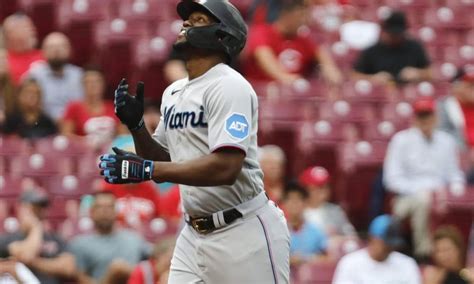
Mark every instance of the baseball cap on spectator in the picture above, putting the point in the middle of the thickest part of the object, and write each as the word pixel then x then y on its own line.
pixel 465 73
pixel 314 176
pixel 387 229
pixel 424 106
pixel 395 23
pixel 35 196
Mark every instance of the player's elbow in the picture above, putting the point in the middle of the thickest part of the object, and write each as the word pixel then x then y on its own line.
pixel 231 177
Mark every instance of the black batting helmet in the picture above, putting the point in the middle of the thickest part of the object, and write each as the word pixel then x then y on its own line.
pixel 229 34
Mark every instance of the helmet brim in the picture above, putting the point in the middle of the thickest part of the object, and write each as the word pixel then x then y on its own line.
pixel 187 7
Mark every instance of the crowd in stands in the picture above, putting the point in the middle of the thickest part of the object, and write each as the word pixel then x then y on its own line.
pixel 366 133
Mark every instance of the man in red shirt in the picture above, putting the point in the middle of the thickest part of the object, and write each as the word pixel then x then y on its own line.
pixel 136 204
pixel 456 114
pixel 277 52
pixel 20 41
pixel 457 111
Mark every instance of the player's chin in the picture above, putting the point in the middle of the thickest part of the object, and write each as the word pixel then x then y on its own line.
pixel 181 45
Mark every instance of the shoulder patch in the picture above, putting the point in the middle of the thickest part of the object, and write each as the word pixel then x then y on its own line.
pixel 237 126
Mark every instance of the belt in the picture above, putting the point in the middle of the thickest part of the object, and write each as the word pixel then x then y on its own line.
pixel 207 224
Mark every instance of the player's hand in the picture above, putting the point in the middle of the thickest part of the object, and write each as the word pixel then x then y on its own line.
pixel 129 109
pixel 125 167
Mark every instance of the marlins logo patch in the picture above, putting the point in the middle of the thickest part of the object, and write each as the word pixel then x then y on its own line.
pixel 237 126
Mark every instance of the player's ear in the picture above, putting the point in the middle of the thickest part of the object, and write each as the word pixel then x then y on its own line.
pixel 140 91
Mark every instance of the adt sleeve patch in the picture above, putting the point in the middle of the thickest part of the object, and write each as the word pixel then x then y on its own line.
pixel 237 126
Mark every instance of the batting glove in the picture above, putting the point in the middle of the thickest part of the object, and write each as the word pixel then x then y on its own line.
pixel 125 167
pixel 129 109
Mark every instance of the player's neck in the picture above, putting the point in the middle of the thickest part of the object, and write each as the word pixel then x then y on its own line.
pixel 197 66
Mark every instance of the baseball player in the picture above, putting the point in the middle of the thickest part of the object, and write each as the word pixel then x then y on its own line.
pixel 206 141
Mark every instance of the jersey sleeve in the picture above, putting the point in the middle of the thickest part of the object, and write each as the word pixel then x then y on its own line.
pixel 259 36
pixel 230 110
pixel 423 60
pixel 160 136
pixel 363 63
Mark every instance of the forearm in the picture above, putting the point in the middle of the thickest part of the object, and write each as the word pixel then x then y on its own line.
pixel 147 148
pixel 268 62
pixel 61 266
pixel 30 246
pixel 212 170
pixel 425 74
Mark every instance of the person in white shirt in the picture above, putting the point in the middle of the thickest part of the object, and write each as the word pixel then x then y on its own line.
pixel 421 160
pixel 13 272
pixel 60 81
pixel 378 262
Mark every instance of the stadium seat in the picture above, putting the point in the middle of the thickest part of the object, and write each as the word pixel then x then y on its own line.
pixel 316 273
pixel 38 165
pixel 316 144
pixel 149 11
pixel 10 188
pixel 454 209
pixel 380 130
pixel 358 165
pixel 158 228
pixel 88 166
pixel 71 186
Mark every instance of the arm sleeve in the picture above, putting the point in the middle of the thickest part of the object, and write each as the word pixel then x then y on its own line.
pixel 258 37
pixel 230 109
pixel 422 57
pixel 70 112
pixel 394 173
pixel 79 254
pixel 345 225
pixel 415 273
pixel 136 277
pixel 455 174
pixel 363 63
pixel 344 273
pixel 25 275
pixel 5 240
pixel 160 136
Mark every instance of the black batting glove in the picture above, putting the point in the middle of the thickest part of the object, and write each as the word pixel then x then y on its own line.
pixel 125 167
pixel 129 109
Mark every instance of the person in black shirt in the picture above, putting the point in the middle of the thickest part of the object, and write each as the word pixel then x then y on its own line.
pixel 395 57
pixel 43 252
pixel 29 121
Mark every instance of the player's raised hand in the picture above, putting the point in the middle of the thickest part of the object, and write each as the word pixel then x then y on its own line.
pixel 129 109
pixel 125 167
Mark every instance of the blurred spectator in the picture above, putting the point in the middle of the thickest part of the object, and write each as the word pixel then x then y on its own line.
pixel 419 161
pixel 378 262
pixel 42 251
pixel 20 41
pixel 174 68
pixel 449 257
pixel 395 57
pixel 308 243
pixel 264 11
pixel 152 270
pixel 276 52
pixel 93 118
pixel 330 217
pixel 136 204
pixel 29 120
pixel 456 112
pixel 7 90
pixel 60 81
pixel 109 254
pixel 14 272
pixel 272 161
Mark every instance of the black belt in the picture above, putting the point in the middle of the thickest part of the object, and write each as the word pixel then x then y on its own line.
pixel 205 225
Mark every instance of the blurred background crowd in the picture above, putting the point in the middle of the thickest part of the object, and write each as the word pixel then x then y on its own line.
pixel 366 135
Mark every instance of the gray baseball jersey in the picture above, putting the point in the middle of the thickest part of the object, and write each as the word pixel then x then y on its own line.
pixel 218 109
